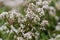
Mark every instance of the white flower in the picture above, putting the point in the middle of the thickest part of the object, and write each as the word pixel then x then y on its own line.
pixel 57 18
pixel 52 39
pixel 45 2
pixel 43 28
pixel 44 22
pixel 20 38
pixel 3 14
pixel 38 3
pixel 20 19
pixel 7 31
pixel 41 13
pixel 28 35
pixel 52 11
pixel 57 5
pixel 45 7
pixel 58 27
pixel 1 39
pixel 30 14
pixel 11 31
pixel 32 5
pixel 37 33
pixel 54 35
pixel 39 9
pixel 18 14
pixel 13 11
pixel 51 8
pixel 36 18
pixel 11 16
pixel 20 30
pixel 22 26
pixel 57 37
pixel 3 27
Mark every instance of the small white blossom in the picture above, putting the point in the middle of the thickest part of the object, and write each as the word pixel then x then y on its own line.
pixel 7 31
pixel 28 35
pixel 42 13
pixel 57 18
pixel 36 18
pixel 21 30
pixel 52 39
pixel 22 26
pixel 45 2
pixel 58 37
pixel 30 14
pixel 45 7
pixel 37 33
pixel 3 14
pixel 44 22
pixel 11 16
pixel 20 38
pixel 43 28
pixel 20 19
pixel 13 11
pixel 39 9
pixel 58 27
pixel 3 27
pixel 38 3
pixel 1 39
pixel 52 11
pixel 57 5
pixel 11 31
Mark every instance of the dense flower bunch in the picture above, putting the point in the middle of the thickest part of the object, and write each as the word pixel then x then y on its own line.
pixel 30 20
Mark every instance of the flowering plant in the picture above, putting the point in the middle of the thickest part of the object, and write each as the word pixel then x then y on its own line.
pixel 29 20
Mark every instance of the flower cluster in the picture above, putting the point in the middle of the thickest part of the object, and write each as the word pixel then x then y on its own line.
pixel 30 20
